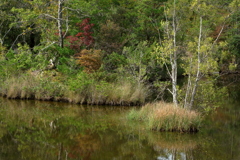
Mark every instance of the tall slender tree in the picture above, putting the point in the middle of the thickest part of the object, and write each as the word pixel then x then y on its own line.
pixel 168 48
pixel 59 20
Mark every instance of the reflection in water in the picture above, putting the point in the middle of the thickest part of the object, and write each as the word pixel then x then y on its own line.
pixel 172 155
pixel 47 130
pixel 174 146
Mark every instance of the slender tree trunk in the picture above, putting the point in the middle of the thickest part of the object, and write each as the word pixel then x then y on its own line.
pixel 60 151
pixel 171 33
pixel 174 60
pixel 199 74
pixel 189 85
pixel 59 20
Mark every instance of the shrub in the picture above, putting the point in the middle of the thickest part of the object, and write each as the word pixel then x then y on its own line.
pixel 91 59
pixel 113 61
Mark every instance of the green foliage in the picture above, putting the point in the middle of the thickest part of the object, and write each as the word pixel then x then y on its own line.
pixel 63 52
pixel 67 66
pixel 233 38
pixel 234 45
pixel 208 61
pixel 2 49
pixel 138 60
pixel 210 96
pixel 113 61
pixel 15 62
pixel 40 62
pixel 64 61
pixel 126 32
pixel 110 39
pixel 22 58
pixel 80 82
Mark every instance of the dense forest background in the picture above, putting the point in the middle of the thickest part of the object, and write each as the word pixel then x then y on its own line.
pixel 118 52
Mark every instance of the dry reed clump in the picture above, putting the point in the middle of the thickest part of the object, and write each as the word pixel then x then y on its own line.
pixel 119 93
pixel 72 97
pixel 19 87
pixel 166 117
pixel 126 93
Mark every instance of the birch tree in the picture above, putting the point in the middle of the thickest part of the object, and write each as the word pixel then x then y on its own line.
pixel 42 17
pixel 59 20
pixel 187 27
pixel 199 58
pixel 199 74
pixel 168 49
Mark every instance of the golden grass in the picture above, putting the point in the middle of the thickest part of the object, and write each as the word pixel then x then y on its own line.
pixel 126 93
pixel 28 86
pixel 166 117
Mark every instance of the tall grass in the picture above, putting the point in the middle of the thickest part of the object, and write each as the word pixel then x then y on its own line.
pixel 80 89
pixel 30 87
pixel 116 93
pixel 126 93
pixel 166 117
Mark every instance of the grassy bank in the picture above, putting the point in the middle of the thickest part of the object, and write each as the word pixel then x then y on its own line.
pixel 81 89
pixel 166 117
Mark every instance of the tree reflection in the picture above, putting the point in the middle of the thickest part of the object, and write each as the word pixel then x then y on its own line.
pixel 104 133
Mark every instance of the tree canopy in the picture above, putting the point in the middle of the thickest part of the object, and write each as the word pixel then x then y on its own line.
pixel 148 42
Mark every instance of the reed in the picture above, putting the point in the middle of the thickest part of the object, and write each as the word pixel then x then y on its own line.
pixel 163 116
pixel 126 93
pixel 83 90
pixel 30 87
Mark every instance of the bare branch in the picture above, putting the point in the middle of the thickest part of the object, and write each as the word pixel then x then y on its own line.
pixel 168 70
pixel 16 40
pixel 6 34
pixel 48 46
pixel 48 15
pixel 219 34
pixel 170 91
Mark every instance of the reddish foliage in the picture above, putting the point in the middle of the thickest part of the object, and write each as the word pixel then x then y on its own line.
pixel 82 38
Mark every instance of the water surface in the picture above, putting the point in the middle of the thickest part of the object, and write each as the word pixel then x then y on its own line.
pixel 60 131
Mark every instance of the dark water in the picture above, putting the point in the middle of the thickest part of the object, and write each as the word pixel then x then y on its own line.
pixel 34 130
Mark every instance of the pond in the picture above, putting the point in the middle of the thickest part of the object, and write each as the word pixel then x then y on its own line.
pixel 61 131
